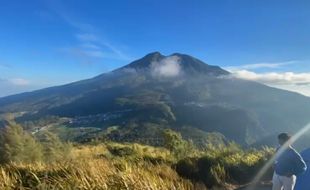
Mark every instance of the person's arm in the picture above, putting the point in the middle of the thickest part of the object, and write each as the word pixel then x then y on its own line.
pixel 299 165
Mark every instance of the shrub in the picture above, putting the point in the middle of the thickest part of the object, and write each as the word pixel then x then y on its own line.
pixel 188 168
pixel 53 149
pixel 18 146
pixel 211 171
pixel 230 164
pixel 174 142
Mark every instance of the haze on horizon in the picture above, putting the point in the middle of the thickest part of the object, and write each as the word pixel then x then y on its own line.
pixel 53 42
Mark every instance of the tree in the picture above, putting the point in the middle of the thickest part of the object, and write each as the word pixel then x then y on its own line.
pixel 176 144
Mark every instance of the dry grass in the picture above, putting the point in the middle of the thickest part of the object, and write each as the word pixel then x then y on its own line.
pixel 87 170
pixel 114 166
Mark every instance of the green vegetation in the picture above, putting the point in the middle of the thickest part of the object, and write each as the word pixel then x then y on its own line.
pixel 45 162
pixel 174 142
pixel 225 164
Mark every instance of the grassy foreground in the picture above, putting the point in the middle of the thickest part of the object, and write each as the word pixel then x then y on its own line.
pixel 43 161
pixel 93 167
pixel 124 166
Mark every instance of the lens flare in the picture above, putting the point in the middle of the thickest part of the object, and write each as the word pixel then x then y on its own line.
pixel 293 139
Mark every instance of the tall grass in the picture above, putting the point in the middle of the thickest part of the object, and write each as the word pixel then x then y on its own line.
pixel 96 174
pixel 48 163
pixel 133 166
pixel 92 168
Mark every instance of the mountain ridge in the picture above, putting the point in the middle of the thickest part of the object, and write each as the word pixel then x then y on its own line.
pixel 172 91
pixel 188 63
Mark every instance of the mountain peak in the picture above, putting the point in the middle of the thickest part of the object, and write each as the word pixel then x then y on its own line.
pixel 153 54
pixel 187 64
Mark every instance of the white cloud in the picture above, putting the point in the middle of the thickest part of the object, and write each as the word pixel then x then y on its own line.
pixel 19 81
pixel 14 85
pixel 260 65
pixel 297 82
pixel 302 89
pixel 15 81
pixel 274 77
pixel 167 67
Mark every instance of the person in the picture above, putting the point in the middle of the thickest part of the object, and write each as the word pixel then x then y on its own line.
pixel 288 164
pixel 303 181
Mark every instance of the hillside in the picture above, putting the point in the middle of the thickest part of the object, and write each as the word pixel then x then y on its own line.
pixel 157 92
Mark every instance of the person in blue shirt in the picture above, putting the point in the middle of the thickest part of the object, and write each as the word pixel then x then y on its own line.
pixel 288 165
pixel 303 181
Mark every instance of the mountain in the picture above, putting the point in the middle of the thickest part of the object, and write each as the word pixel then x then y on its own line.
pixel 176 91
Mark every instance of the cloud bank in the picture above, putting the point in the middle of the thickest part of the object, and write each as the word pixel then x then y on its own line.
pixel 297 82
pixel 274 77
pixel 167 67
pixel 91 48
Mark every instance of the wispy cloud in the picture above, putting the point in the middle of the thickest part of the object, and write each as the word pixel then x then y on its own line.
pixel 10 86
pixel 88 38
pixel 95 42
pixel 58 8
pixel 270 65
pixel 19 81
pixel 15 81
pixel 89 46
pixel 83 53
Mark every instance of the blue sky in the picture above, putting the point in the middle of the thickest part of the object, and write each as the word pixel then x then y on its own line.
pixel 51 42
